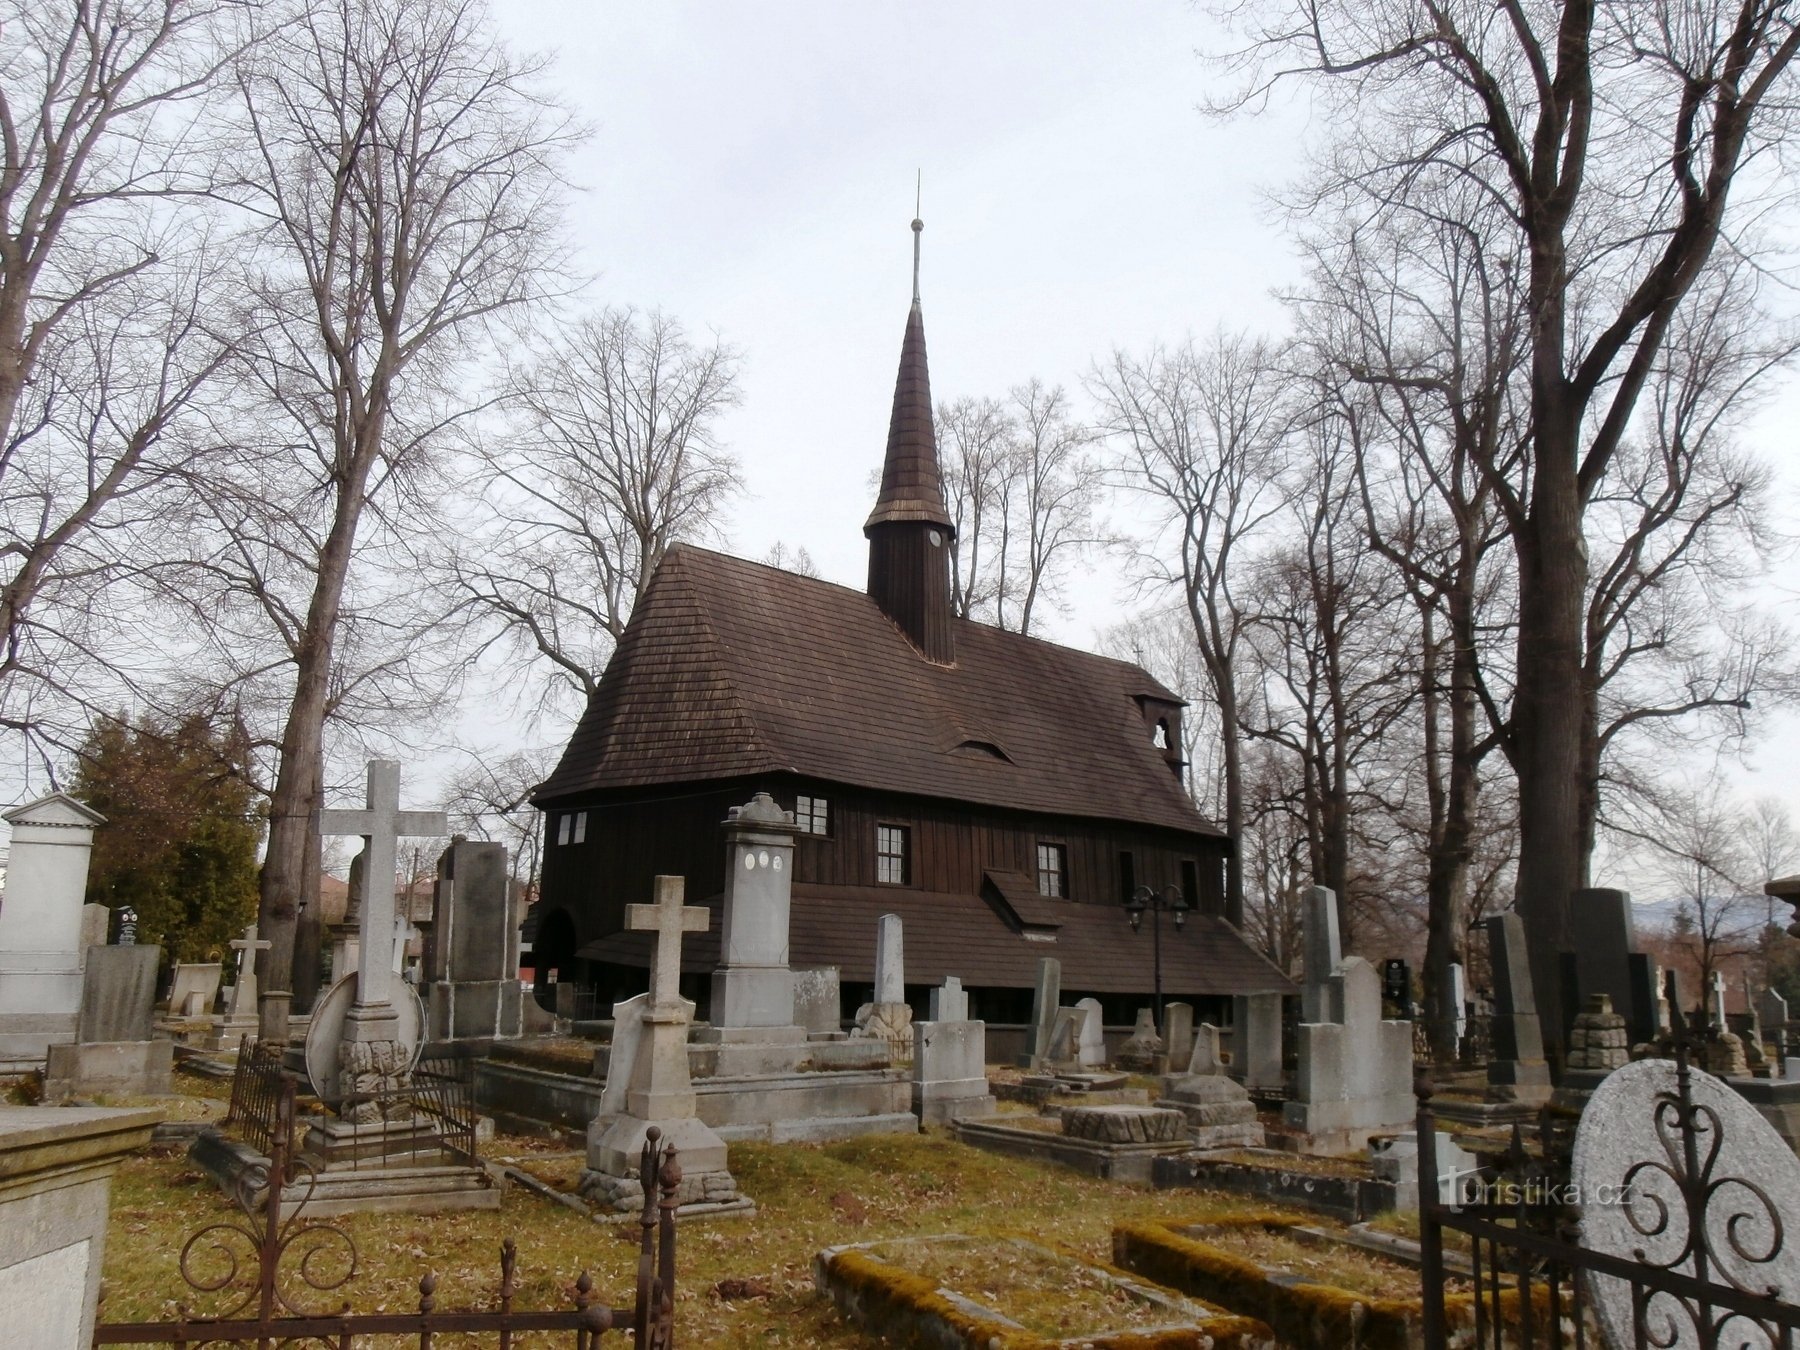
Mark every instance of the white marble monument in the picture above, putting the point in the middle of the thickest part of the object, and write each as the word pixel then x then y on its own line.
pixel 41 927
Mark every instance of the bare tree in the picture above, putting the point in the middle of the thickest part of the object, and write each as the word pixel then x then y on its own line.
pixel 614 457
pixel 404 170
pixel 1197 432
pixel 108 326
pixel 1023 488
pixel 491 799
pixel 1610 137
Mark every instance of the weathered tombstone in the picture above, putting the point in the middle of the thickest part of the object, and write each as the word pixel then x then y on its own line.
pixel 1628 1145
pixel 621 1061
pixel 58 1164
pixel 1663 1023
pixel 194 988
pixel 1143 1047
pixel 1355 1076
pixel 1517 1070
pixel 1045 997
pixel 472 960
pixel 1091 1045
pixel 1323 954
pixel 40 927
pixel 1064 1048
pixel 1459 1002
pixel 889 1017
pixel 753 987
pixel 950 1060
pixel 1256 1041
pixel 653 1072
pixel 1206 1057
pixel 950 1001
pixel 1218 1112
pixel 1178 1033
pixel 114 1048
pixel 1772 1013
pixel 240 1016
pixel 1603 938
pixel 1397 1161
pixel 371 1058
pixel 96 928
pixel 1715 1004
pixel 817 1004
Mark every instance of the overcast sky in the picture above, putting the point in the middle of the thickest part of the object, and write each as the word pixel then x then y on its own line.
pixel 752 171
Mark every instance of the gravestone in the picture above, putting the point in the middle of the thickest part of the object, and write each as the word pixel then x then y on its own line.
pixel 950 1001
pixel 817 1004
pixel 96 928
pixel 1178 1033
pixel 1772 1013
pixel 1205 1057
pixel 472 960
pixel 1218 1112
pixel 652 1068
pixel 753 987
pixel 194 989
pixel 1064 1048
pixel 1143 1047
pixel 1323 954
pixel 888 1018
pixel 1626 1177
pixel 1256 1041
pixel 1045 996
pixel 1715 1003
pixel 1664 1025
pixel 1397 1161
pixel 1516 1070
pixel 1091 1044
pixel 372 1060
pixel 950 1060
pixel 114 1049
pixel 240 1017
pixel 40 927
pixel 1603 938
pixel 1459 1002
pixel 1355 1076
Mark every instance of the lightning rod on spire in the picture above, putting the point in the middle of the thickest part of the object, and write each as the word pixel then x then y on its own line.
pixel 918 227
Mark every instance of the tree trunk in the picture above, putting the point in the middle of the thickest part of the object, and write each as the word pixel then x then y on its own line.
pixel 1547 709
pixel 1232 757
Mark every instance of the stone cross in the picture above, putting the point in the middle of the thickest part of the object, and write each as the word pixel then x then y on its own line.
pixel 1718 1001
pixel 243 991
pixel 668 918
pixel 381 823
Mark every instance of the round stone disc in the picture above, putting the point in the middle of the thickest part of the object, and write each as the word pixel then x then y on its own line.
pixel 327 1030
pixel 1629 1155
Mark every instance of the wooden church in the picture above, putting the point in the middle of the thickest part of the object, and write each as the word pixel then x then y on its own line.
pixel 1002 794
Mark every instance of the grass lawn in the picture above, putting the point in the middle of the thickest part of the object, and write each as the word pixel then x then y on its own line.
pixel 740 1281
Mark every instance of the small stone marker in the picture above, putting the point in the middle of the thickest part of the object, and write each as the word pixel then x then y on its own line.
pixel 818 1005
pixel 1178 1033
pixel 1143 1047
pixel 1206 1057
pixel 1064 1049
pixel 1622 1128
pixel 950 1001
pixel 1256 1041
pixel 1045 997
pixel 1091 1049
pixel 890 960
pixel 196 985
pixel 1218 1112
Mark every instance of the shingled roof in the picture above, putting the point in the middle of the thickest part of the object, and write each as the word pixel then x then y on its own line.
pixel 731 668
pixel 962 935
pixel 911 485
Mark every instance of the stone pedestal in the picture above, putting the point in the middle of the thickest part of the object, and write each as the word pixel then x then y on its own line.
pixel 1218 1112
pixel 134 1068
pixel 1397 1161
pixel 950 1072
pixel 1256 1041
pixel 1355 1076
pixel 1517 1070
pixel 56 1166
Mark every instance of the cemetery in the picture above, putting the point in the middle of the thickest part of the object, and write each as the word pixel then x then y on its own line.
pixel 470 876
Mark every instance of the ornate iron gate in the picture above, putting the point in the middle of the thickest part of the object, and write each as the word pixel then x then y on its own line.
pixel 1533 1280
pixel 271 1278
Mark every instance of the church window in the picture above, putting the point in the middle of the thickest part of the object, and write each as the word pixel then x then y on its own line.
pixel 893 861
pixel 565 826
pixel 812 815
pixel 1053 870
pixel 1160 737
pixel 580 836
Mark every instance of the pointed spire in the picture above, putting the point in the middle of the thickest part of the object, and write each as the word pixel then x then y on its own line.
pixel 911 485
pixel 918 229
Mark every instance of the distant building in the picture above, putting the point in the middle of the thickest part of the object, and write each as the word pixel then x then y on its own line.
pixel 1004 795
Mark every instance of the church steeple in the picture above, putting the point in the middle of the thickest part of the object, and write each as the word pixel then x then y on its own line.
pixel 909 531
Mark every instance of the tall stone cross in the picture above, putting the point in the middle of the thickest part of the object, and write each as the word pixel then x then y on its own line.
pixel 668 918
pixel 243 989
pixel 1718 1000
pixel 381 823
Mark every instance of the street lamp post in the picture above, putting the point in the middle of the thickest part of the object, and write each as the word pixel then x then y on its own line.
pixel 1155 902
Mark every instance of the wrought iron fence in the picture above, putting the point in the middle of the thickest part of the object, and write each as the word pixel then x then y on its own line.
pixel 437 1107
pixel 274 1281
pixel 1534 1283
pixel 257 1085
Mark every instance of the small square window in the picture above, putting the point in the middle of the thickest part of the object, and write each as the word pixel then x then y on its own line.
pixel 581 827
pixel 1053 870
pixel 892 855
pixel 565 827
pixel 812 815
